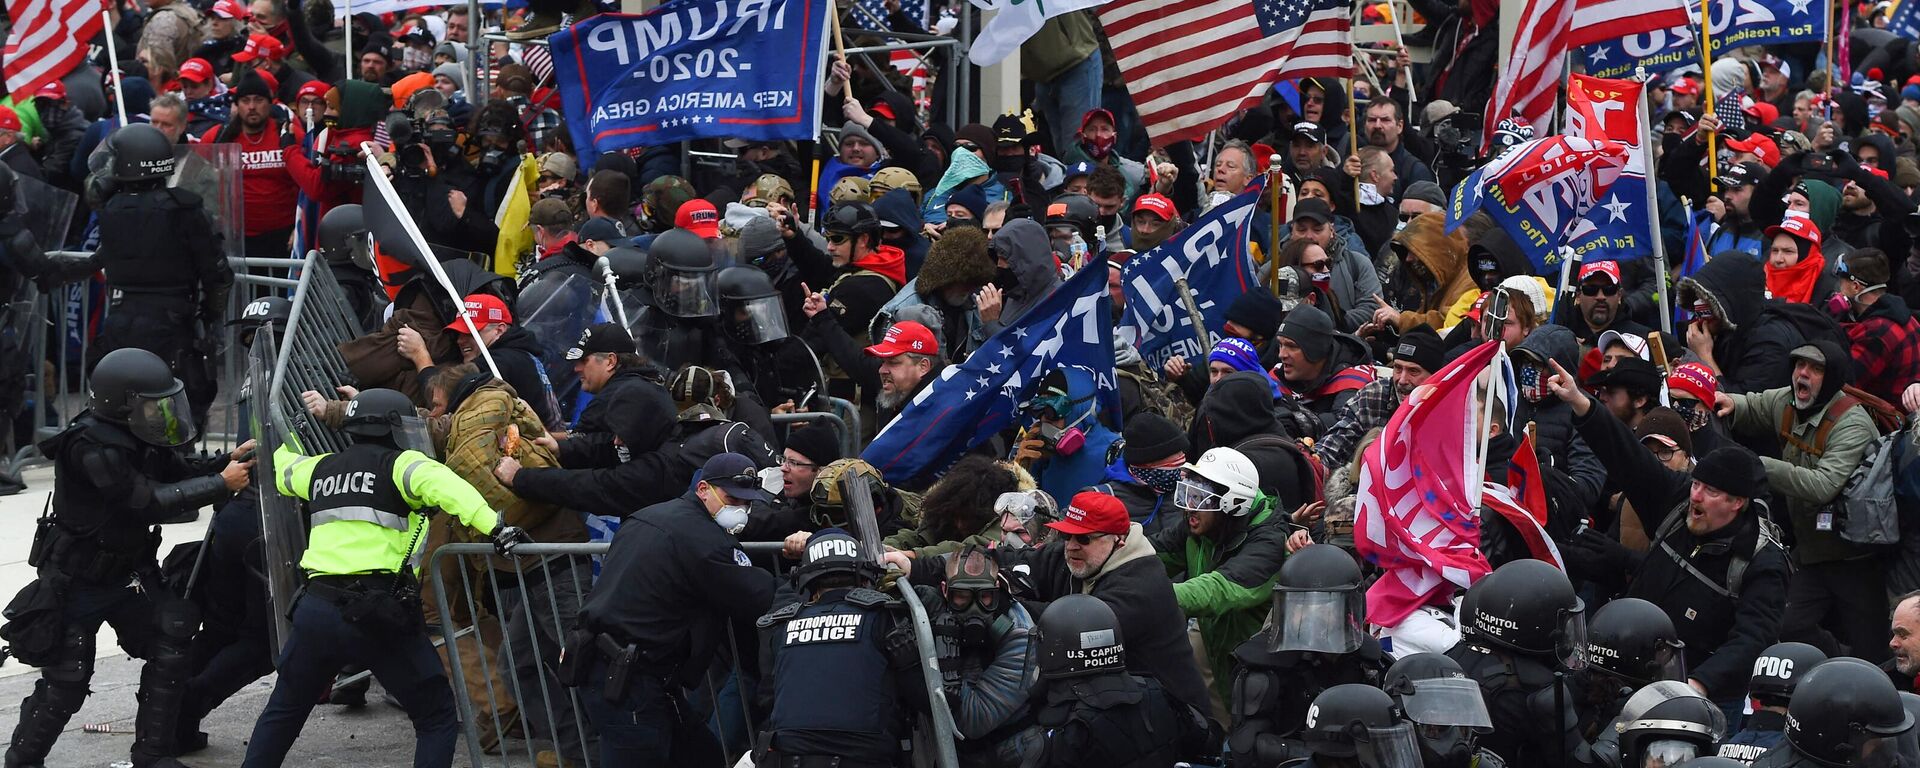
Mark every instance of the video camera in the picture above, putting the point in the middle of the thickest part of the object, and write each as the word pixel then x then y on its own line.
pixel 343 165
pixel 1458 135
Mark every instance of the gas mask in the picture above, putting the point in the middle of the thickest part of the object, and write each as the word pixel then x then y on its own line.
pixel 975 598
pixel 1161 479
pixel 1067 440
pixel 1445 745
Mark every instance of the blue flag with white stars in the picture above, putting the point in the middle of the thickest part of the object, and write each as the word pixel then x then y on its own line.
pixel 974 399
pixel 1735 24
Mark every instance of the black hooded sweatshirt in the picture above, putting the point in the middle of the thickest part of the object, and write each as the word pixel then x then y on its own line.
pixel 1752 353
pixel 1239 407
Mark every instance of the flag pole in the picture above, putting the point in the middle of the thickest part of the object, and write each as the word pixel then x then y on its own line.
pixel 1832 69
pixel 840 45
pixel 1353 138
pixel 1273 220
pixel 1653 226
pixel 1706 82
pixel 113 60
pixel 346 39
pixel 1413 97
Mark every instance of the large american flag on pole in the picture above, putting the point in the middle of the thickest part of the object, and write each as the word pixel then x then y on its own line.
pixel 48 39
pixel 1191 64
pixel 1416 513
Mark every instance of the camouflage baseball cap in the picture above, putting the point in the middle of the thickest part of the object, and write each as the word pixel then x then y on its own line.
pixel 664 196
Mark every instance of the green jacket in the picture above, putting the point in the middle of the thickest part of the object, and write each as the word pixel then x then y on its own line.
pixel 921 542
pixel 1061 43
pixel 1229 588
pixel 1804 482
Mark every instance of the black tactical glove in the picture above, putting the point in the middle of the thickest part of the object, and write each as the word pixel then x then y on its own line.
pixel 506 537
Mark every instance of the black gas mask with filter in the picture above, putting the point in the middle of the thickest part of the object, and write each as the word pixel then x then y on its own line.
pixel 976 599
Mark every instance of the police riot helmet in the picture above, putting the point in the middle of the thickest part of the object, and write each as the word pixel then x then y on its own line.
pixel 854 218
pixel 1079 636
pixel 1435 694
pixel 344 237
pixel 134 387
pixel 140 153
pixel 1666 722
pixel 1846 710
pixel 1634 640
pixel 829 551
pixel 682 274
pixel 261 312
pixel 752 307
pixel 1779 668
pixel 1357 721
pixel 1074 210
pixel 627 264
pixel 384 413
pixel 1224 480
pixel 1318 603
pixel 1529 607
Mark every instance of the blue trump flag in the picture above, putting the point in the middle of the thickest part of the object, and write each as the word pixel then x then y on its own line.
pixel 1213 256
pixel 693 69
pixel 974 399
pixel 1905 19
pixel 1540 191
pixel 1735 23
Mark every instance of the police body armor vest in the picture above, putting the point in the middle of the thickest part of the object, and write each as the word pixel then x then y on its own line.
pixel 357 484
pixel 832 670
pixel 142 248
pixel 1117 720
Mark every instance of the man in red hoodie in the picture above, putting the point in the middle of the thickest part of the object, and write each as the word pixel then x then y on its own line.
pixel 325 164
pixel 867 273
pixel 268 190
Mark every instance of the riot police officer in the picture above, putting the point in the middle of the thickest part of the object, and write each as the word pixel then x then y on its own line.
pixel 842 664
pixel 754 325
pixel 117 473
pixel 679 329
pixel 346 245
pixel 1630 643
pixel 163 263
pixel 1354 726
pixel 1092 711
pixel 1776 672
pixel 1314 640
pixel 1433 693
pixel 361 603
pixel 1522 633
pixel 1668 722
pixel 1844 713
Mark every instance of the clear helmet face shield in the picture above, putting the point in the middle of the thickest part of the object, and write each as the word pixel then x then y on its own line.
pixel 761 320
pixel 1325 621
pixel 1392 747
pixel 686 294
pixel 1570 641
pixel 1197 494
pixel 411 434
pixel 1667 753
pixel 163 419
pixel 1446 702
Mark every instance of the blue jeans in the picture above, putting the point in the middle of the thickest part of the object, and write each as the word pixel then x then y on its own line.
pixel 1069 97
pixel 649 726
pixel 321 643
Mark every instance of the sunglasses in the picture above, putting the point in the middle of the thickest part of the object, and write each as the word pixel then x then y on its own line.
pixel 1322 265
pixel 1609 289
pixel 837 239
pixel 1084 539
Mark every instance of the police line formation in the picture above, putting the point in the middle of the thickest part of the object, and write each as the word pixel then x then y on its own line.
pixel 1150 527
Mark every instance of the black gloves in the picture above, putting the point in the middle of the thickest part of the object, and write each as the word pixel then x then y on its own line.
pixel 506 537
pixel 1597 555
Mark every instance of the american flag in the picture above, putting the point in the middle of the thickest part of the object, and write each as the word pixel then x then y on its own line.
pixel 1191 64
pixel 48 38
pixel 872 14
pixel 1731 109
pixel 540 61
pixel 1532 74
pixel 1547 29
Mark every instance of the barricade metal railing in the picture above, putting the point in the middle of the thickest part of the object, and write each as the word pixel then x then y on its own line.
pixel 536 596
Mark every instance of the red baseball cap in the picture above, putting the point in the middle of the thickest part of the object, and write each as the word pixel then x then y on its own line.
pixel 1761 147
pixel 906 336
pixel 9 120
pixel 1688 86
pixel 54 89
pixel 1156 204
pixel 1797 226
pixel 699 217
pixel 315 88
pixel 260 44
pixel 228 9
pixel 197 70
pixel 485 309
pixel 1764 112
pixel 1611 269
pixel 1093 512
pixel 1693 380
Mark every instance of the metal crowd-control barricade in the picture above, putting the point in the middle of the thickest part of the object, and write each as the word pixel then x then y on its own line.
pixel 537 705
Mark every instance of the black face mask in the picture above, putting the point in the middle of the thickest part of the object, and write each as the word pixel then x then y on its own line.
pixel 1007 163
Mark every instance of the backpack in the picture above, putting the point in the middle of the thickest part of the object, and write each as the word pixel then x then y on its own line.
pixel 1865 511
pixel 1770 533
pixel 1309 473
pixel 1158 396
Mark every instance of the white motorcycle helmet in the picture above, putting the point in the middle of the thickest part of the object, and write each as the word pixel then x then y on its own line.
pixel 1223 480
